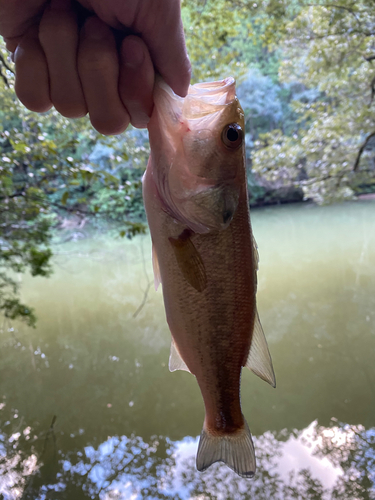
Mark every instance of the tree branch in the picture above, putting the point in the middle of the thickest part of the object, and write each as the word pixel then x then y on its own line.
pixel 150 282
pixel 335 6
pixel 4 78
pixel 315 36
pixel 361 149
pixel 73 209
pixel 2 60
pixel 14 195
pixel 372 90
pixel 309 182
pixel 145 295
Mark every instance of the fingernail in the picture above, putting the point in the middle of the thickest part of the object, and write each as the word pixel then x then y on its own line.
pixel 140 120
pixel 132 52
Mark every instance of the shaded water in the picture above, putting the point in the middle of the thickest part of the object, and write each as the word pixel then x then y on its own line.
pixel 88 408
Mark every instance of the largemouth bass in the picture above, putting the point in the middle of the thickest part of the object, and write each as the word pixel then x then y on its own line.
pixel 205 256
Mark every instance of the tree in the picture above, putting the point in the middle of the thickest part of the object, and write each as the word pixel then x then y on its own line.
pixel 51 166
pixel 210 27
pixel 46 172
pixel 327 47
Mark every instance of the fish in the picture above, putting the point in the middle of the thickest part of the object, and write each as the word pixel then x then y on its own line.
pixel 206 258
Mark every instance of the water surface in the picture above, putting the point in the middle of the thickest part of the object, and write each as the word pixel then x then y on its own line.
pixel 89 409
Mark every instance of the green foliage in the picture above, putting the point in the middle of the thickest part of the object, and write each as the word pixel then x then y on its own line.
pixel 328 47
pixel 47 172
pixel 210 27
pixel 51 167
pixel 272 18
pixel 25 220
pixel 307 85
pixel 259 97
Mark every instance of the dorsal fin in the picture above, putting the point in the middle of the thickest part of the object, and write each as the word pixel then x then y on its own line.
pixel 259 360
pixel 175 360
pixel 155 265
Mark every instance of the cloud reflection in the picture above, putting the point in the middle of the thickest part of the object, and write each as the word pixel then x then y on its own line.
pixel 316 463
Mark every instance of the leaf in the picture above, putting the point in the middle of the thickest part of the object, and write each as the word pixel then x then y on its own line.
pixel 65 197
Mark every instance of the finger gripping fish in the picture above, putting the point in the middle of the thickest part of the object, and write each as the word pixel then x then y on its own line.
pixel 205 256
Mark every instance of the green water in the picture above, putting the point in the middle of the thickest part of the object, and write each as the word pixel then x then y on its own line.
pixel 89 409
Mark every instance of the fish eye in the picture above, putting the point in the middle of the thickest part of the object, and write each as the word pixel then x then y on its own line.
pixel 232 135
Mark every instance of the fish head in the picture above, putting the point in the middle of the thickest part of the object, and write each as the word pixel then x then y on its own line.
pixel 197 145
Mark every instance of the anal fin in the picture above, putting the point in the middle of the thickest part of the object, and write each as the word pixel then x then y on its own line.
pixel 259 360
pixel 175 360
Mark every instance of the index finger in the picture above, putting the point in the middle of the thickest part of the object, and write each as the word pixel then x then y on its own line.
pixel 163 33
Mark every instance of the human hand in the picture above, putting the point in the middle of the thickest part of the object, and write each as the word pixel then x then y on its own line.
pixel 81 67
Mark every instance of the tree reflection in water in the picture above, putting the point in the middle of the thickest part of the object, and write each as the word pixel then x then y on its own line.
pixel 352 448
pixel 335 462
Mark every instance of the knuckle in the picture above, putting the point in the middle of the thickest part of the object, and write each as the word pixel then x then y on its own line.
pixel 96 61
pixel 53 28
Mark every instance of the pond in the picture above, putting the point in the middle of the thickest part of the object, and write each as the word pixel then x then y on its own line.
pixel 89 409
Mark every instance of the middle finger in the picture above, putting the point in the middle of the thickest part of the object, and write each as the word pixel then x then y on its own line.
pixel 98 67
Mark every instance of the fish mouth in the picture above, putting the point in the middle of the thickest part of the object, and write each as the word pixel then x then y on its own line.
pixel 209 98
pixel 202 106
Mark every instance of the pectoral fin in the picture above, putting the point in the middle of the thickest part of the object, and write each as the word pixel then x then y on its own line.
pixel 259 360
pixel 175 360
pixel 189 261
pixel 155 265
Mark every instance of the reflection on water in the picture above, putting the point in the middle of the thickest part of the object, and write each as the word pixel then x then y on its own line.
pixel 88 408
pixel 316 463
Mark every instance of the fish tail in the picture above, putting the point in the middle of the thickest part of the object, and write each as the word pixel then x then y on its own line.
pixel 236 450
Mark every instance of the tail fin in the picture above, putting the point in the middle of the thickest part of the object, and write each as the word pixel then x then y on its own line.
pixel 235 450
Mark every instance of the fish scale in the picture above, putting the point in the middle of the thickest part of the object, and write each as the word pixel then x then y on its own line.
pixel 206 259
